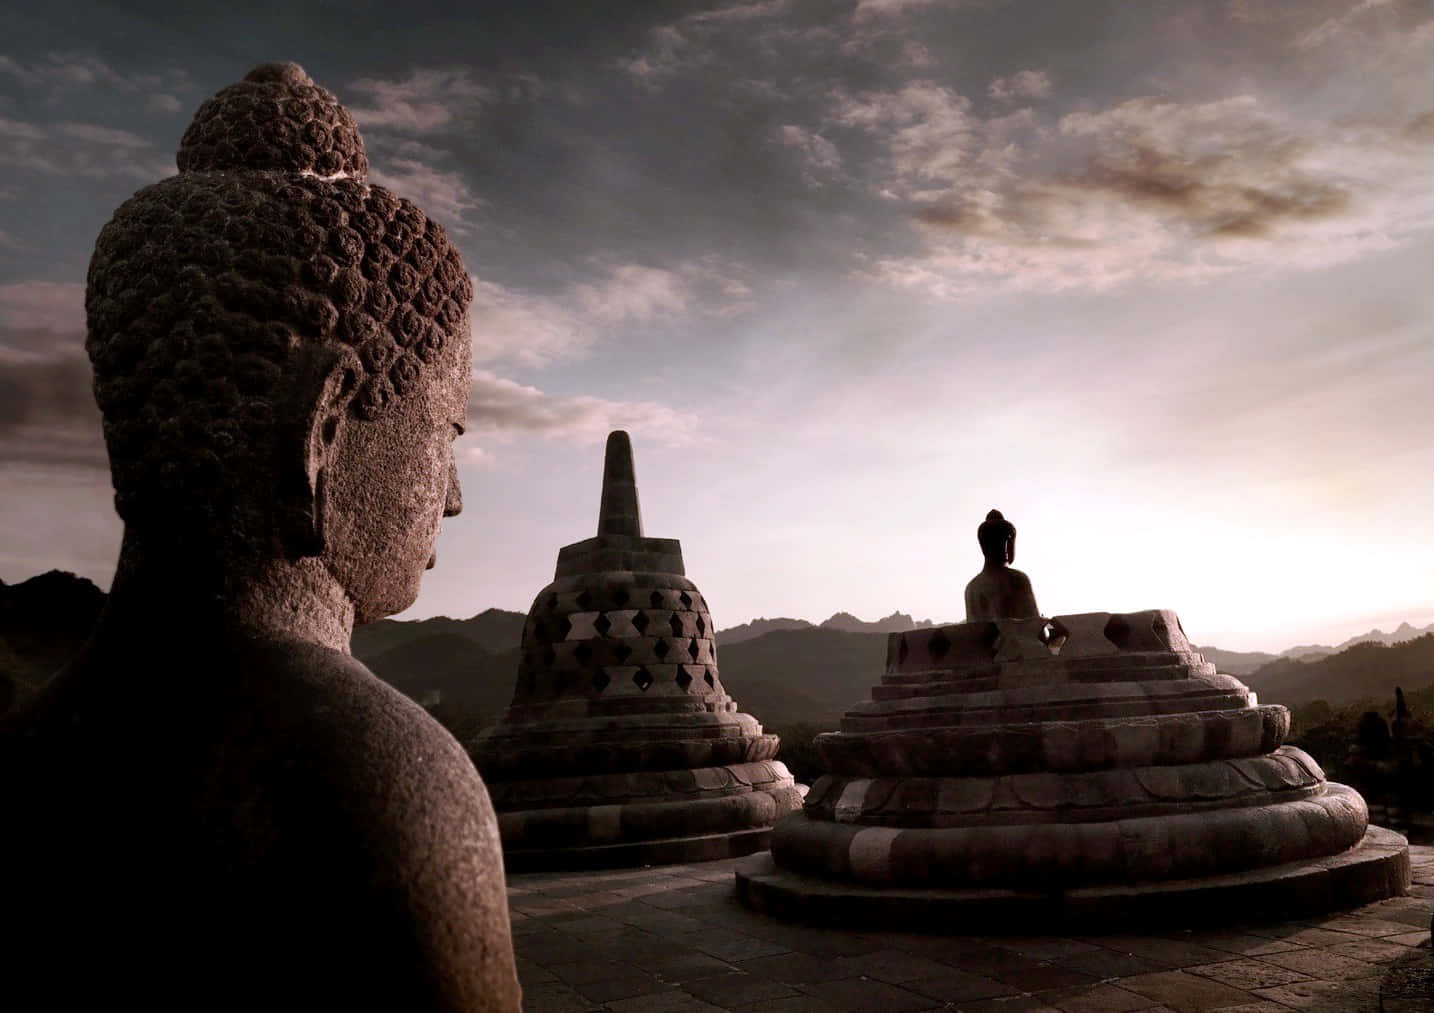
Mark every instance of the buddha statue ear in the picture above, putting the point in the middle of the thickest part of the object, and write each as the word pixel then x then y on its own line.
pixel 327 381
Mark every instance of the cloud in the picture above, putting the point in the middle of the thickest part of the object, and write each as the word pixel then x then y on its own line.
pixel 59 74
pixel 512 326
pixel 820 159
pixel 661 58
pixel 430 102
pixel 498 407
pixel 427 100
pixel 81 149
pixel 1331 29
pixel 928 130
pixel 42 306
pixel 160 102
pixel 639 293
pixel 1022 85
pixel 444 195
pixel 868 9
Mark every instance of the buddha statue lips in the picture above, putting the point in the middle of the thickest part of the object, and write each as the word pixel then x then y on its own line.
pixel 282 364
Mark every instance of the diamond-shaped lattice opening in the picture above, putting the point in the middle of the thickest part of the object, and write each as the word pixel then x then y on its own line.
pixel 620 596
pixel 602 624
pixel 693 650
pixel 1117 631
pixel 685 599
pixel 938 645
pixel 902 651
pixel 990 636
pixel 584 600
pixel 684 679
pixel 640 622
pixel 660 649
pixel 562 627
pixel 552 601
pixel 701 627
pixel 601 680
pixel 621 652
pixel 583 652
pixel 675 624
pixel 656 599
pixel 711 679
pixel 642 678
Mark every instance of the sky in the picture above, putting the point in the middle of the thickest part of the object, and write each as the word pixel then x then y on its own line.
pixel 1152 278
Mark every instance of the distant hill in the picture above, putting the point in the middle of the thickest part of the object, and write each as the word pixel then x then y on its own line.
pixel 464 684
pixel 897 622
pixel 1404 632
pixel 495 630
pixel 1365 669
pixel 758 627
pixel 43 622
pixel 811 675
pixel 1239 663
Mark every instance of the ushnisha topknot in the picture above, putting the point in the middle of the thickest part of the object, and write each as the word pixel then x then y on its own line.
pixel 204 287
pixel 276 119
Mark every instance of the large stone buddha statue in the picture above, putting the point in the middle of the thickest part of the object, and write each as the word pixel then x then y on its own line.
pixel 999 591
pixel 215 804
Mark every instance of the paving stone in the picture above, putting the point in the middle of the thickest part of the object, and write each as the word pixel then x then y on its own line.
pixel 960 987
pixel 554 997
pixel 1245 943
pixel 736 988
pixel 801 1003
pixel 866 994
pixel 578 972
pixel 1009 1004
pixel 1248 974
pixel 1326 996
pixel 1324 964
pixel 892 966
pixel 1186 993
pixel 1104 964
pixel 1170 952
pixel 664 1002
pixel 731 947
pixel 1408 939
pixel 796 968
pixel 1100 999
pixel 1045 947
pixel 1362 926
pixel 628 986
pixel 1376 951
pixel 680 966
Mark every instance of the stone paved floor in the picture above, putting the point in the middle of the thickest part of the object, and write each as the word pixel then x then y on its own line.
pixel 674 939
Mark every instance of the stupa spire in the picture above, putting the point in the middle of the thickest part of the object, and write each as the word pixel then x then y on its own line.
pixel 619 513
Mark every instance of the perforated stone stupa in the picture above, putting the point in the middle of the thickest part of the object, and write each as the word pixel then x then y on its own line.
pixel 621 746
pixel 1093 768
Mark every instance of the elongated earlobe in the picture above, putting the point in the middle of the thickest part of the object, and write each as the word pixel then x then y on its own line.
pixel 315 437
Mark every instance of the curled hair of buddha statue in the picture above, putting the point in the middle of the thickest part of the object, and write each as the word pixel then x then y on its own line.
pixel 213 294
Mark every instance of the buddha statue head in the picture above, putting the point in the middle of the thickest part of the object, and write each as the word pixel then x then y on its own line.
pixel 281 352
pixel 997 537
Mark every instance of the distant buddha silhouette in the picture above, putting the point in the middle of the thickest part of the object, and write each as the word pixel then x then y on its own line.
pixel 999 592
pixel 215 805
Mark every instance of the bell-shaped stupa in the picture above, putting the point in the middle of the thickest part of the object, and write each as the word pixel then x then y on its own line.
pixel 1018 772
pixel 621 746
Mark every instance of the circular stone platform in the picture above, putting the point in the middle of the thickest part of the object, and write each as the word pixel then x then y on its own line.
pixel 1375 868
pixel 1083 768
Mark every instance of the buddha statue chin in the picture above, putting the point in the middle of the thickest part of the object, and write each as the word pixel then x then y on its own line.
pixel 222 806
pixel 999 591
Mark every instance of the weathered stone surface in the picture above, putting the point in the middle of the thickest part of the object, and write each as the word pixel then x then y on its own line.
pixel 1093 752
pixel 621 744
pixel 282 360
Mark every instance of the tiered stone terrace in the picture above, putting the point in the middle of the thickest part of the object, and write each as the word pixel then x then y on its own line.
pixel 1090 769
pixel 675 940
pixel 621 746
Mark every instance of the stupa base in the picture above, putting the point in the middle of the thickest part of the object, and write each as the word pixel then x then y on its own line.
pixel 1375 868
pixel 664 851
